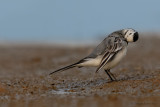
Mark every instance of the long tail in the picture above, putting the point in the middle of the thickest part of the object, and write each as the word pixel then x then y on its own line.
pixel 64 68
pixel 70 66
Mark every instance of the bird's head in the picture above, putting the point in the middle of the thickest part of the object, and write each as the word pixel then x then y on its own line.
pixel 130 35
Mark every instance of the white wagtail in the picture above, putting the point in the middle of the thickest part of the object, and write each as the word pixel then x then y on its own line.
pixel 108 53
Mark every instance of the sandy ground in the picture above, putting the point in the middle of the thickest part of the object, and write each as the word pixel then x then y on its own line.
pixel 24 79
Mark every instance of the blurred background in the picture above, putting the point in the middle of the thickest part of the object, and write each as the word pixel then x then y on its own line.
pixel 40 36
pixel 71 21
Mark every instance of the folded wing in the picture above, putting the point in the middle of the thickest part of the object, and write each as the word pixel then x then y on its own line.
pixel 114 44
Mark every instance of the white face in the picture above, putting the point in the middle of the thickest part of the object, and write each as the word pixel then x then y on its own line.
pixel 131 35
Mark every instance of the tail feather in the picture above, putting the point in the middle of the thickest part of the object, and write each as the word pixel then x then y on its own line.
pixel 69 66
pixel 64 68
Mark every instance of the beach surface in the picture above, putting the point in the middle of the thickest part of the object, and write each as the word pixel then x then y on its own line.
pixel 25 79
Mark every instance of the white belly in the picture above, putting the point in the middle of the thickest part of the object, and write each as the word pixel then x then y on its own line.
pixel 96 62
pixel 92 62
pixel 119 56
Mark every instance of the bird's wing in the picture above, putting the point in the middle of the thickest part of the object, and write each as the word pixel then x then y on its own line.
pixel 104 46
pixel 114 44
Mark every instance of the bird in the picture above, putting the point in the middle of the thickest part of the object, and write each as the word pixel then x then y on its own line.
pixel 108 53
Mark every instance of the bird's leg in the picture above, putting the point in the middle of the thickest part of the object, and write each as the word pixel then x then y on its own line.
pixel 107 71
pixel 112 75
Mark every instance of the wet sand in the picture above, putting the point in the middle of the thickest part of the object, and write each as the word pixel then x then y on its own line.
pixel 24 79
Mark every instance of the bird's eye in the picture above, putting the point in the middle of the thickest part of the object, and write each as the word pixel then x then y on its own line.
pixel 130 33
